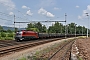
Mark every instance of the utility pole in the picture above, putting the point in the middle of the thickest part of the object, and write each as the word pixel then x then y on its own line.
pixel 75 30
pixel 67 28
pixel 88 23
pixel 82 30
pixel 65 25
pixel 14 23
pixel 19 26
pixel 61 29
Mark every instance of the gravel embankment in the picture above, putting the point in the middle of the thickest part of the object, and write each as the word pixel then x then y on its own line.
pixel 81 49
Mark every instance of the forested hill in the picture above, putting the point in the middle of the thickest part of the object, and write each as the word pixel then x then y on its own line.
pixel 6 28
pixel 11 28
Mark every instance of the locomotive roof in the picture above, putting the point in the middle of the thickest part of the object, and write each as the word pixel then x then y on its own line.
pixel 28 31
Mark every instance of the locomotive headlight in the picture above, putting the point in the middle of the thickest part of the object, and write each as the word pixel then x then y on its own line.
pixel 21 32
pixel 22 39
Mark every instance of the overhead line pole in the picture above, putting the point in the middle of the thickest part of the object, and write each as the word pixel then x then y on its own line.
pixel 65 25
pixel 14 26
pixel 14 23
pixel 88 23
pixel 75 30
pixel 82 30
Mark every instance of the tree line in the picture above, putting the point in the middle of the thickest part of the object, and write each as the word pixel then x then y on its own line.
pixel 54 28
pixel 57 28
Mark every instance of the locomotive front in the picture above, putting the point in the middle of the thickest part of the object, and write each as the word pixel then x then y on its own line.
pixel 18 36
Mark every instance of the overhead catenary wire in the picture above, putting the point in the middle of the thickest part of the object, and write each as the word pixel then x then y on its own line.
pixel 17 11
pixel 11 16
pixel 5 14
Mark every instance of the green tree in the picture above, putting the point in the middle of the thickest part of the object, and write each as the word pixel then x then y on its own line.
pixel 79 29
pixel 9 31
pixel 38 26
pixel 62 28
pixel 1 29
pixel 10 35
pixel 33 29
pixel 44 29
pixel 56 28
pixel 29 26
pixel 3 34
pixel 72 28
pixel 16 29
pixel 51 29
pixel 85 30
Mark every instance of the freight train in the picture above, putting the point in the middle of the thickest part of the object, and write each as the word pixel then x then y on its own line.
pixel 29 35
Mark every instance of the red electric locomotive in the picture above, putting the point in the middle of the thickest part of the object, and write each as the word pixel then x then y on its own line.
pixel 25 35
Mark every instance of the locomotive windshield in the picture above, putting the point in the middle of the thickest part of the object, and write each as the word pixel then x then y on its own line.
pixel 19 33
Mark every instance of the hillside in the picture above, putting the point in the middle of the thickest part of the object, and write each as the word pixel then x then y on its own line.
pixel 11 28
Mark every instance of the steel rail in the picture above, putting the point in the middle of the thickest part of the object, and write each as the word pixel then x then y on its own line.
pixel 7 50
pixel 70 47
pixel 58 51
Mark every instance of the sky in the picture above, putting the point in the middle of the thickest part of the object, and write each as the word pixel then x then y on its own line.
pixel 44 10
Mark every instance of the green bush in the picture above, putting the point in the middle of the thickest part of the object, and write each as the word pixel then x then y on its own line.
pixel 2 38
pixel 3 34
pixel 22 58
pixel 10 35
pixel 0 35
pixel 8 38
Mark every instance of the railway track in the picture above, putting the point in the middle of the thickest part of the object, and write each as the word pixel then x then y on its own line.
pixel 10 47
pixel 11 43
pixel 63 53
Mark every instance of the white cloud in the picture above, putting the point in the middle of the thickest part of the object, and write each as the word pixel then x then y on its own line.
pixel 50 14
pixel 79 17
pixel 44 12
pixel 88 8
pixel 11 13
pixel 55 8
pixel 84 13
pixel 29 12
pixel 8 3
pixel 77 6
pixel 25 7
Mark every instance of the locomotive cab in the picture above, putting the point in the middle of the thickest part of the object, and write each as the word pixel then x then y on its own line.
pixel 18 36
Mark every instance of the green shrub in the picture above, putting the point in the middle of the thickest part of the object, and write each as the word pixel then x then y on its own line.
pixel 22 58
pixel 3 34
pixel 79 58
pixel 8 38
pixel 2 38
pixel 10 35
